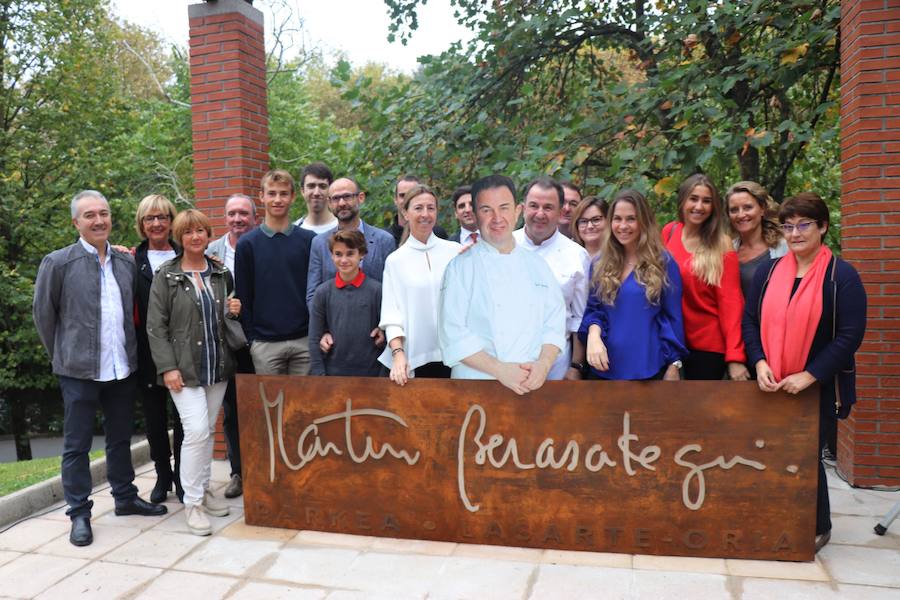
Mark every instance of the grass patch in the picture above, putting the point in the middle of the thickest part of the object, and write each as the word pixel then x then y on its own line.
pixel 15 476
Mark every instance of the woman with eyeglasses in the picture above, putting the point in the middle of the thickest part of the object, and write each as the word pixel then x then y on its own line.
pixel 590 226
pixel 632 326
pixel 153 223
pixel 755 231
pixel 411 288
pixel 712 300
pixel 805 318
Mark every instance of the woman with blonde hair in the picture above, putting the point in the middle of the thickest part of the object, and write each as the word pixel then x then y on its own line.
pixel 190 299
pixel 411 288
pixel 633 322
pixel 712 301
pixel 589 225
pixel 153 222
pixel 754 229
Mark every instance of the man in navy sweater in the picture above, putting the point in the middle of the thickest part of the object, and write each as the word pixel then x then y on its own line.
pixel 271 264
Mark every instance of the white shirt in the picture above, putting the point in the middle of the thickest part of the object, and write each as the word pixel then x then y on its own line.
pixel 158 257
pixel 508 305
pixel 113 357
pixel 317 229
pixel 410 294
pixel 570 264
pixel 465 236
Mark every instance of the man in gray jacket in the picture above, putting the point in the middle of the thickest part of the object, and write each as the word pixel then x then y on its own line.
pixel 83 310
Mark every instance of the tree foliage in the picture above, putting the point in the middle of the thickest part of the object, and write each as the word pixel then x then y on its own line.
pixel 616 93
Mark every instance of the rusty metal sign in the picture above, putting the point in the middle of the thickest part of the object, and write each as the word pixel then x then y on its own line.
pixel 714 469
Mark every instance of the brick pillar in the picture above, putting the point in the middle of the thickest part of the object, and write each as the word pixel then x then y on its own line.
pixel 229 118
pixel 869 441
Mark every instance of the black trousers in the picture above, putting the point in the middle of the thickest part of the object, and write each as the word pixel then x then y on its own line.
pixel 155 404
pixel 704 366
pixel 81 399
pixel 230 412
pixel 433 370
pixel 827 424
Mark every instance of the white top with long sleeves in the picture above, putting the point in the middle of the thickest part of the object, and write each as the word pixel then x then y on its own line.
pixel 113 356
pixel 508 305
pixel 570 264
pixel 410 292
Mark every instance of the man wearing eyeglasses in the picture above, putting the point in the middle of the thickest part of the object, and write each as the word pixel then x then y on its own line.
pixel 572 197
pixel 569 263
pixel 314 181
pixel 344 200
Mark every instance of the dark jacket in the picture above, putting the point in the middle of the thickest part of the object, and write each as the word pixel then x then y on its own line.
pixel 175 324
pixel 66 309
pixel 838 336
pixel 143 280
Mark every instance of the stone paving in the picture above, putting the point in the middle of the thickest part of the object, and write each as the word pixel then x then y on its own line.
pixel 142 557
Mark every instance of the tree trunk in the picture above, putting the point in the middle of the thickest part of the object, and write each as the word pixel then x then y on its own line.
pixel 20 425
pixel 749 161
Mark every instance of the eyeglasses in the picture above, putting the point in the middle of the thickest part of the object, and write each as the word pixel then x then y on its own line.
pixel 342 197
pixel 595 221
pixel 803 227
pixel 148 219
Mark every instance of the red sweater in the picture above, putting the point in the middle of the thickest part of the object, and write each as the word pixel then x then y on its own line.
pixel 712 314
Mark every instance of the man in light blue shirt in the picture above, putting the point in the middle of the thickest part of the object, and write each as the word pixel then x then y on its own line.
pixel 83 306
pixel 502 314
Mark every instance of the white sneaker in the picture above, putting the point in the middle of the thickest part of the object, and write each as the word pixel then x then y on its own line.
pixel 214 506
pixel 196 519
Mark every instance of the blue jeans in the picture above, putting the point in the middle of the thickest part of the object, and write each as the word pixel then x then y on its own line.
pixel 81 398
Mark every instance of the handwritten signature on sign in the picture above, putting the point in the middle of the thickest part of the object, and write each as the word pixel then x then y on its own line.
pixel 496 450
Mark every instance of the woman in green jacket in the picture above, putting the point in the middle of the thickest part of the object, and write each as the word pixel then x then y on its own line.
pixel 189 299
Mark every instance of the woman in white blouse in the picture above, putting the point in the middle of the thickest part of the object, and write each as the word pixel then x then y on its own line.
pixel 411 288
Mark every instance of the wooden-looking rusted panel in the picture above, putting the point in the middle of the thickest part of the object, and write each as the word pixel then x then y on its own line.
pixel 691 468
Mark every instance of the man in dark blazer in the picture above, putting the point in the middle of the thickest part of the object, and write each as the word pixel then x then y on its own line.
pixel 344 200
pixel 462 205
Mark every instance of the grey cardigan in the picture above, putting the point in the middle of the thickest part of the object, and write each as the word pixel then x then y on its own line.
pixel 66 309
pixel 175 325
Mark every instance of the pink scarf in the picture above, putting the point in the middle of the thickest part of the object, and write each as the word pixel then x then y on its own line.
pixel 788 325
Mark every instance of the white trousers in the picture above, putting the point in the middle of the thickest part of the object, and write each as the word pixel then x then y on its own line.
pixel 199 408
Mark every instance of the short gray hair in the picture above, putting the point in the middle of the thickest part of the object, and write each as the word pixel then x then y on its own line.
pixel 86 194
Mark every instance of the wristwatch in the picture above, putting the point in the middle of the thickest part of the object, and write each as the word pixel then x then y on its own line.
pixel 577 366
pixel 678 364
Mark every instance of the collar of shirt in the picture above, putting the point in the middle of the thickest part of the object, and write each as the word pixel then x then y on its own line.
pixel 417 245
pixel 269 232
pixel 92 250
pixel 465 235
pixel 550 241
pixel 355 282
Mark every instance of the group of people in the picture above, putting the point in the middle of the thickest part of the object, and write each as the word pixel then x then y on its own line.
pixel 588 288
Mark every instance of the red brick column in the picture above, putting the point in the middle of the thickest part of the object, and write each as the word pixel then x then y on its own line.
pixel 229 118
pixel 869 441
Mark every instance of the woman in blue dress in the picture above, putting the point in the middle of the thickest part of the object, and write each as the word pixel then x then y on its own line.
pixel 633 326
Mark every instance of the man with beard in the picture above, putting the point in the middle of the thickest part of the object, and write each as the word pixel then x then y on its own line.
pixel 569 263
pixel 270 270
pixel 240 218
pixel 314 181
pixel 83 308
pixel 462 205
pixel 344 199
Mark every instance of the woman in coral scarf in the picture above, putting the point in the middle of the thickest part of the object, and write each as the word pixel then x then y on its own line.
pixel 804 319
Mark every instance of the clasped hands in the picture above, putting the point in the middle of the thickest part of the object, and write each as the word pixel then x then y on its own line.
pixel 792 384
pixel 523 377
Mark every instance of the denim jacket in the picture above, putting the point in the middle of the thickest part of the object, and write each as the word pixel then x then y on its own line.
pixel 66 309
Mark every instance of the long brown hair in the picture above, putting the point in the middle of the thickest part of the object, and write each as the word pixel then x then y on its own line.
pixel 650 270
pixel 708 262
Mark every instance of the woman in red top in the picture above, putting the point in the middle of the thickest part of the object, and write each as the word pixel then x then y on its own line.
pixel 712 301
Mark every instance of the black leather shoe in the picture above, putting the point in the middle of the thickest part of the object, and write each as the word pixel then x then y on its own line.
pixel 140 507
pixel 81 534
pixel 160 490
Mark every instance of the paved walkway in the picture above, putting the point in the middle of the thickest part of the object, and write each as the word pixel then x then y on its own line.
pixel 141 557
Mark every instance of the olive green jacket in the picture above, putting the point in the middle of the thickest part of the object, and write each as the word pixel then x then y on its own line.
pixel 175 325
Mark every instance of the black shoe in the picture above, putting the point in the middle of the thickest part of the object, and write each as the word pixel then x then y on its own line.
pixel 162 487
pixel 822 539
pixel 235 488
pixel 81 534
pixel 140 507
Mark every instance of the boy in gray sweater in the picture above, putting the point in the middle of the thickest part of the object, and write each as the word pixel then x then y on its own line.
pixel 343 321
